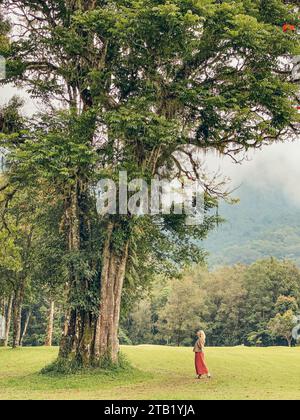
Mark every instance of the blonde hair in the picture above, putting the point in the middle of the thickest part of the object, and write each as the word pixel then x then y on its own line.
pixel 202 337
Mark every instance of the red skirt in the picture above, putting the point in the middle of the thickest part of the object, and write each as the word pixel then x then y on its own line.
pixel 200 365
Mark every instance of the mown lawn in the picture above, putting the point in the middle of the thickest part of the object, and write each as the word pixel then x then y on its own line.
pixel 160 373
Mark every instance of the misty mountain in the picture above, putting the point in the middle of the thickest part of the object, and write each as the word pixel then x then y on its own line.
pixel 265 223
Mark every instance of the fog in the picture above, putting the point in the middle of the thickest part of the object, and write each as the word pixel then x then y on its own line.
pixel 274 167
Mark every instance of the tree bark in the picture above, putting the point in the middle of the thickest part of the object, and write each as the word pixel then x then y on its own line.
pixel 8 320
pixel 66 323
pixel 2 313
pixel 91 340
pixel 26 324
pixel 112 279
pixel 76 346
pixel 2 306
pixel 49 333
pixel 78 338
pixel 69 340
pixel 17 313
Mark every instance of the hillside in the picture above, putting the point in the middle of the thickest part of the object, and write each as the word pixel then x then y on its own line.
pixel 263 224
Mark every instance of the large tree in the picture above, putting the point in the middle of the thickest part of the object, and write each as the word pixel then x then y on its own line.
pixel 147 85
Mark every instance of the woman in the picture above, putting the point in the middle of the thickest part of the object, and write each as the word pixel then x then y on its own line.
pixel 201 368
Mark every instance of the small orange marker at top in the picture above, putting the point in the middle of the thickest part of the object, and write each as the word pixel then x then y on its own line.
pixel 287 27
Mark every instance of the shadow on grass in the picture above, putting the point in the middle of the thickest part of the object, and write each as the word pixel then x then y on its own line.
pixel 71 367
pixel 53 377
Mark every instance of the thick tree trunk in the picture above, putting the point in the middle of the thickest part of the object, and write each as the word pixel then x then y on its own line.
pixel 77 344
pixel 8 320
pixel 88 338
pixel 2 306
pixel 25 328
pixel 112 279
pixel 66 323
pixel 17 314
pixel 49 333
pixel 91 340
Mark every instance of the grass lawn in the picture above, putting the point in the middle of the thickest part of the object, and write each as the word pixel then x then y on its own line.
pixel 161 373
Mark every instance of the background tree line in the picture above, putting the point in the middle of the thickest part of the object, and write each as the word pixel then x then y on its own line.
pixel 250 305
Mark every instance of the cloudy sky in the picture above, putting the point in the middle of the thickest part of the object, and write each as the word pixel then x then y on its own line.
pixel 276 166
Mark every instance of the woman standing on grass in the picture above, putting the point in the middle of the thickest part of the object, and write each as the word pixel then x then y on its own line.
pixel 201 368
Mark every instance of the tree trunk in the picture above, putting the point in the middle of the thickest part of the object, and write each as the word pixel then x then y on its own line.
pixel 25 327
pixel 112 279
pixel 2 306
pixel 49 334
pixel 3 323
pixel 91 340
pixel 17 314
pixel 66 323
pixel 8 320
pixel 76 347
pixel 78 338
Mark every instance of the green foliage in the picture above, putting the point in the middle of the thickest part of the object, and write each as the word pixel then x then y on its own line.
pixel 286 303
pixel 4 41
pixel 11 120
pixel 282 325
pixel 124 339
pixel 9 254
pixel 266 281
pixel 180 314
pixel 259 338
pixel 234 305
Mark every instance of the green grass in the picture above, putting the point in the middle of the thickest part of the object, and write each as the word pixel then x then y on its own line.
pixel 159 373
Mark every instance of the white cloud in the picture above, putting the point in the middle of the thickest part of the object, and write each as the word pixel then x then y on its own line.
pixel 275 166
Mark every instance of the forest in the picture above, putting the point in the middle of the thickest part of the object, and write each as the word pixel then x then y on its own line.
pixel 254 305
pixel 146 87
